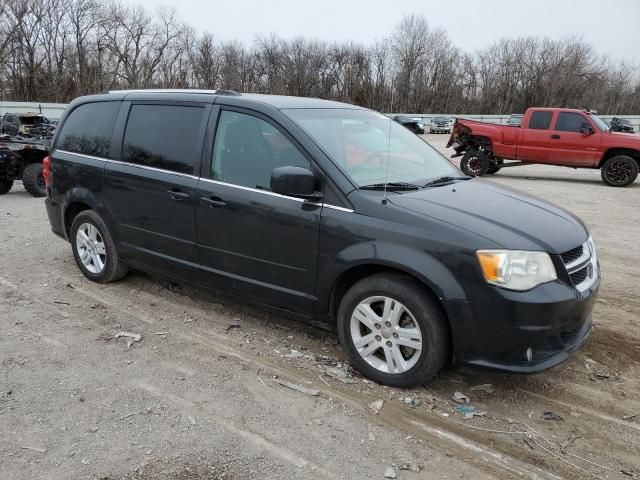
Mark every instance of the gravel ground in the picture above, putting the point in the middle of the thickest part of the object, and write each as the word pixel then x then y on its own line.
pixel 196 399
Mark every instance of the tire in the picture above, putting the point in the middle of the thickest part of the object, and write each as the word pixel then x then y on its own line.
pixel 474 163
pixel 495 167
pixel 5 186
pixel 99 267
pixel 33 181
pixel 422 314
pixel 619 171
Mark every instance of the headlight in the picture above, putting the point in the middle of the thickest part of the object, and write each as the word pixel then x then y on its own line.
pixel 516 269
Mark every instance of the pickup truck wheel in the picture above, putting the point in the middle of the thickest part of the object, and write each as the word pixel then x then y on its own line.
pixel 619 171
pixel 5 186
pixel 33 180
pixel 474 163
pixel 394 332
pixel 94 249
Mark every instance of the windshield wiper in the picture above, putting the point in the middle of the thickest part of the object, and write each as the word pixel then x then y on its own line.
pixel 391 186
pixel 444 180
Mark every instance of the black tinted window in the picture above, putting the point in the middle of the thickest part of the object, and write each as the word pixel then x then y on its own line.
pixel 247 149
pixel 540 120
pixel 88 129
pixel 569 122
pixel 163 136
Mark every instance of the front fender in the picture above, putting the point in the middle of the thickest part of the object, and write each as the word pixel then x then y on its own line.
pixel 417 263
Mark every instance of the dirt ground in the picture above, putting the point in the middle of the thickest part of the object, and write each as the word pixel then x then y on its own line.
pixel 198 397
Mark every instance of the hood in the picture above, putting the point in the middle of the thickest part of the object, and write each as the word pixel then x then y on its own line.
pixel 506 216
pixel 628 136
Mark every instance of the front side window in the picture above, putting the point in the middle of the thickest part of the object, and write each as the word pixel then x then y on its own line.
pixel 247 149
pixel 540 120
pixel 163 136
pixel 370 148
pixel 569 122
pixel 88 129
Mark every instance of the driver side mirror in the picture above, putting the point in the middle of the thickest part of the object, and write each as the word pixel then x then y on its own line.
pixel 295 182
pixel 586 128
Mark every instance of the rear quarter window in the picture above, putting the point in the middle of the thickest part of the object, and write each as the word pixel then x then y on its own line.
pixel 88 129
pixel 540 120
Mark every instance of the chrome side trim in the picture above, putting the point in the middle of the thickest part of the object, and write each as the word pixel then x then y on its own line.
pixel 208 180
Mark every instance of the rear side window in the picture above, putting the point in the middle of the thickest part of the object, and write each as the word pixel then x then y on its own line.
pixel 540 120
pixel 88 129
pixel 569 122
pixel 163 136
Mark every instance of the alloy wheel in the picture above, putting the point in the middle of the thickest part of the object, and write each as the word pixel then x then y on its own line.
pixel 91 248
pixel 619 172
pixel 386 334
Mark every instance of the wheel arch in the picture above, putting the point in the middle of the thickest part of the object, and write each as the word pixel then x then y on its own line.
pixel 439 282
pixel 612 152
pixel 77 200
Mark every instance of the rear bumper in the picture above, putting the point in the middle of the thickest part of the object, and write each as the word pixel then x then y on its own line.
pixel 54 212
pixel 496 336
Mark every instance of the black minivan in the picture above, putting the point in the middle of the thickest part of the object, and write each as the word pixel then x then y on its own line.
pixel 328 212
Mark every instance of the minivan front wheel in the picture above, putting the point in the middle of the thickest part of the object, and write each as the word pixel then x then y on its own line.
pixel 394 331
pixel 94 249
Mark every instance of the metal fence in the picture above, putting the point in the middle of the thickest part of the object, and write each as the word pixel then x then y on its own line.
pixel 54 112
pixel 502 119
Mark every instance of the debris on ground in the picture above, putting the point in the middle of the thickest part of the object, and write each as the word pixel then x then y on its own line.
pixel 629 473
pixel 39 450
pixel 161 333
pixel 299 388
pixel 414 402
pixel 233 326
pixel 460 397
pixel 568 442
pixel 412 466
pixel 341 371
pixel 629 417
pixel 376 406
pixel 469 411
pixel 134 337
pixel 390 473
pixel 485 387
pixel 191 420
pixel 551 416
pixel 372 437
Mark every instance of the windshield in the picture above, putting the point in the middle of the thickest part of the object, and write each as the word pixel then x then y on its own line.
pixel 370 148
pixel 599 123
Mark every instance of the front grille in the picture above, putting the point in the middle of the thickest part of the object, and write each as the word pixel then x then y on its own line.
pixel 573 254
pixel 580 263
pixel 580 276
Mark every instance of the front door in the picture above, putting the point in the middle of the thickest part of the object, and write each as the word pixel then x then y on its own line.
pixel 533 143
pixel 151 190
pixel 252 242
pixel 569 146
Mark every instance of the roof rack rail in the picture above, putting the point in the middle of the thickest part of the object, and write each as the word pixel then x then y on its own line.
pixel 179 90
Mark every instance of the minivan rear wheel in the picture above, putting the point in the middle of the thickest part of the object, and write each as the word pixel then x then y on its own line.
pixel 394 332
pixel 94 250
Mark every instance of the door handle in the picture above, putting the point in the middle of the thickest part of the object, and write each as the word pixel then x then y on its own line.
pixel 177 195
pixel 214 202
pixel 555 137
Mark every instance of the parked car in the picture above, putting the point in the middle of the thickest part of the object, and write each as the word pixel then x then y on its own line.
pixel 441 125
pixel 25 124
pixel 327 212
pixel 620 125
pixel 416 125
pixel 553 136
pixel 515 120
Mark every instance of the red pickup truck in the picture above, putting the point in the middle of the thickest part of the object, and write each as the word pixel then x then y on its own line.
pixel 552 136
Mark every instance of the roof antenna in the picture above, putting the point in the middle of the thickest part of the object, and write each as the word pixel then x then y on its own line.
pixel 386 175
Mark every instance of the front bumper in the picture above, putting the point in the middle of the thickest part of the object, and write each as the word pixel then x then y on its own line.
pixel 552 320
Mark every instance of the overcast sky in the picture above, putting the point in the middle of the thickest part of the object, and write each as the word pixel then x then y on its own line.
pixel 611 26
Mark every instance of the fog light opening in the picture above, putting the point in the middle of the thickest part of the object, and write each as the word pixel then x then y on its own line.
pixel 528 354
